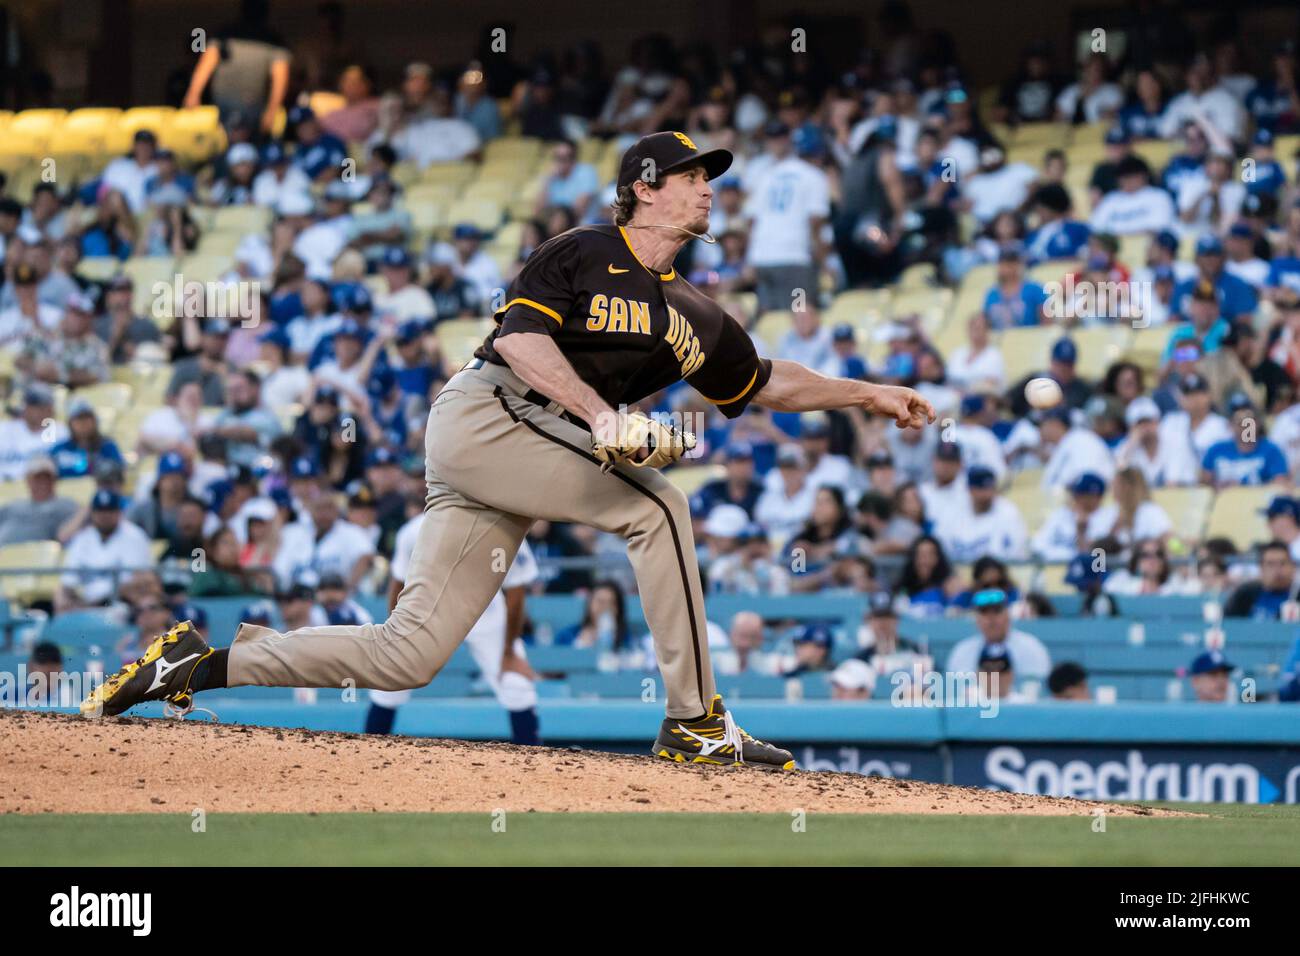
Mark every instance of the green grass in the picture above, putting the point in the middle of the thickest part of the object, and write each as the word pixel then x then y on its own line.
pixel 1227 835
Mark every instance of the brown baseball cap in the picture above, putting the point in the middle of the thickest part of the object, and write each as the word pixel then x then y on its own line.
pixel 661 153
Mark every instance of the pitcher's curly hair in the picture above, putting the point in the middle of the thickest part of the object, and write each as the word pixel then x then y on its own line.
pixel 625 201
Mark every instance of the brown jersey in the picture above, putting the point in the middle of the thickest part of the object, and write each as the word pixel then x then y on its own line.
pixel 627 330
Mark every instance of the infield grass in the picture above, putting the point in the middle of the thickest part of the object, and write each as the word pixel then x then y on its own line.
pixel 1223 836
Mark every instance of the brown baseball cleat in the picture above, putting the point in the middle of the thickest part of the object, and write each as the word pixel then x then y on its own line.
pixel 165 672
pixel 717 739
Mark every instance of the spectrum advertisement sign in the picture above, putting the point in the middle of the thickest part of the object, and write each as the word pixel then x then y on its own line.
pixel 1182 774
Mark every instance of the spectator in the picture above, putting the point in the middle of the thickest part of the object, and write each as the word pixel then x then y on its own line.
pixel 404 300
pixel 1148 572
pixel 812 651
pixel 852 680
pixel 97 555
pixel 475 105
pixel 356 118
pixel 28 316
pixel 737 487
pixel 946 497
pixel 246 71
pixel 151 617
pixel 604 622
pixel 78 454
pixel 1205 100
pixel 880 643
pixel 788 204
pixel 39 516
pixel 1248 458
pixel 29 434
pixel 208 368
pixel 1283 517
pixel 46 682
pixel 1136 206
pixel 128 174
pixel 386 223
pixel 120 326
pixel 1071 450
pixel 74 357
pixel 177 424
pixel 1069 681
pixel 1027 655
pixel 279 178
pixel 1029 96
pixel 222 575
pixel 744 653
pixel 568 182
pixel 1264 599
pixel 1209 673
pixel 471 262
pixel 1014 301
pixel 245 424
pixel 1163 463
pixel 158 514
pixel 1195 427
pixel 998 186
pixel 927 579
pixel 1233 296
pixel 1057 236
pixel 426 134
pixel 1093 98
pixel 993 525
pixel 783 507
pixel 977 365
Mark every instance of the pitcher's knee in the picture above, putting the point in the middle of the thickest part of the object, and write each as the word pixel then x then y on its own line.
pixel 664 505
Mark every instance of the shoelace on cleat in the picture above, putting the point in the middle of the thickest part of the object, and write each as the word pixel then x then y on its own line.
pixel 733 735
pixel 181 711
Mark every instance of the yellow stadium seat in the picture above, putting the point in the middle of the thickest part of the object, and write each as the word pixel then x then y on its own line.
pixel 1237 514
pixel 1133 249
pixel 1100 347
pixel 918 276
pixel 37 121
pixel 241 219
pixel 1034 502
pixel 199 267
pixel 513 148
pixel 1054 270
pixel 146 272
pixel 80 490
pixel 1050 579
pixel 1147 346
pixel 1042 135
pixel 859 307
pixel 220 243
pixel 458 338
pixel 1188 509
pixel 1088 134
pixel 99 268
pixel 12 491
pixel 195 134
pixel 94 120
pixel 21 149
pixel 483 213
pixel 126 426
pixel 1156 152
pixel 108 395
pixel 455 175
pixel 496 191
pixel 31 556
pixel 690 478
pixel 1025 350
pixel 772 326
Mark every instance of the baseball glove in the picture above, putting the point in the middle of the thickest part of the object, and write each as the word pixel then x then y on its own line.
pixel 665 443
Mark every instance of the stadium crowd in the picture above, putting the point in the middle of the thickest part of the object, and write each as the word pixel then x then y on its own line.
pixel 866 209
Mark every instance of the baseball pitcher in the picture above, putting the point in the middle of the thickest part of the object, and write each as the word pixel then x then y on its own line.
pixel 535 427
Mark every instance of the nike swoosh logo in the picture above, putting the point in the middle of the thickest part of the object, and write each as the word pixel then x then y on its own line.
pixel 161 669
pixel 613 271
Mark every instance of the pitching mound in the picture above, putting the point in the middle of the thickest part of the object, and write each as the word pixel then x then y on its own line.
pixel 60 764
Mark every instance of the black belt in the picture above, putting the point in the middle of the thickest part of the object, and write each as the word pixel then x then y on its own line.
pixel 532 395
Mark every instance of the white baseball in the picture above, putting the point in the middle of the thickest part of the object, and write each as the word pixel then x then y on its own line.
pixel 1042 393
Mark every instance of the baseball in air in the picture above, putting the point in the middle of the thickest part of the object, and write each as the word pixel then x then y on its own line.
pixel 1042 393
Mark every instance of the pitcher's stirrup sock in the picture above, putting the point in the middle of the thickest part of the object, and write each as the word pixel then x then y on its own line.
pixel 524 727
pixel 214 675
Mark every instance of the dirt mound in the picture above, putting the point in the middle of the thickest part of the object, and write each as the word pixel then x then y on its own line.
pixel 59 764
